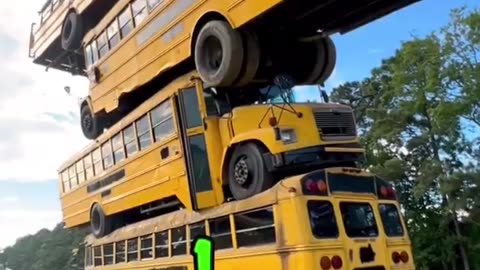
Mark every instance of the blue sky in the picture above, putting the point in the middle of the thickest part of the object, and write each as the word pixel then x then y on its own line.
pixel 32 202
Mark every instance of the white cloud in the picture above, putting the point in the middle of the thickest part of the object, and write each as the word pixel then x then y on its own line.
pixel 15 223
pixel 8 200
pixel 39 126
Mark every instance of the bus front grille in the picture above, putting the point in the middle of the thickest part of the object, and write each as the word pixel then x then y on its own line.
pixel 335 125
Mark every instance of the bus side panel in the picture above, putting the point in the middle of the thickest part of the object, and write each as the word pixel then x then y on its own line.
pixel 151 179
pixel 242 11
pixel 147 178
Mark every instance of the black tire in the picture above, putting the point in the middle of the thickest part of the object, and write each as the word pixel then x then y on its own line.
pixel 72 32
pixel 330 60
pixel 251 61
pixel 218 53
pixel 312 63
pixel 91 125
pixel 100 225
pixel 247 173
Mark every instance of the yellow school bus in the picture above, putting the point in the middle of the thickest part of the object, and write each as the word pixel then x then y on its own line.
pixel 56 40
pixel 337 218
pixel 229 42
pixel 195 147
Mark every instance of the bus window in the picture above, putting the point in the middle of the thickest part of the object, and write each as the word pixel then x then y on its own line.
pixel 162 121
pixel 221 233
pixel 322 219
pixel 107 155
pixel 88 166
pixel 153 4
pixel 132 250
pixel 255 228
pixel 358 219
pixel 161 244
pixel 139 9
pixel 146 247
pixel 107 254
pixel 73 177
pixel 102 44
pixel 143 132
pixel 112 34
pixel 117 145
pixel 97 256
pixel 80 171
pixel 120 252
pixel 391 219
pixel 88 256
pixel 97 161
pixel 179 241
pixel 66 181
pixel 125 22
pixel 130 141
pixel 196 230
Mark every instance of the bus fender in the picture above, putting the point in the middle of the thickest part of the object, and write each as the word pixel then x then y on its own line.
pixel 209 15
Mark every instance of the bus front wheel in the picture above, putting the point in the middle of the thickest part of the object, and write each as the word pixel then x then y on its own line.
pixel 247 173
pixel 218 53
pixel 100 224
pixel 91 125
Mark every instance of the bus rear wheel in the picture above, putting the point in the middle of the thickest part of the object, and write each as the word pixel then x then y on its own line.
pixel 312 64
pixel 92 126
pixel 72 32
pixel 247 172
pixel 100 225
pixel 218 53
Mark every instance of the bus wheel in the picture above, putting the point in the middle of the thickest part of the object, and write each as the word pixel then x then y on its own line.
pixel 218 53
pixel 313 63
pixel 251 61
pixel 247 173
pixel 91 124
pixel 72 32
pixel 100 224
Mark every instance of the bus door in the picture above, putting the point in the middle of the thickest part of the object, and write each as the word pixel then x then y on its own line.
pixel 364 241
pixel 195 149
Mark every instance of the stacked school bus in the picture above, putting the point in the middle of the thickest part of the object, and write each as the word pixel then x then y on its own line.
pixel 132 48
pixel 336 218
pixel 194 147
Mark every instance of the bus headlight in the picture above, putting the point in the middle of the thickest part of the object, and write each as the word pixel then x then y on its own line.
pixel 288 136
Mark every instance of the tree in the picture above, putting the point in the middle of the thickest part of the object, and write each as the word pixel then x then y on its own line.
pixel 411 112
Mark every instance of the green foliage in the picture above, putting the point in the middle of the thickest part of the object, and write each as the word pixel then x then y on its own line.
pixel 45 250
pixel 411 112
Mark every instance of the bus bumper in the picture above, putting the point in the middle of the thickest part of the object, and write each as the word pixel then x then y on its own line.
pixel 315 157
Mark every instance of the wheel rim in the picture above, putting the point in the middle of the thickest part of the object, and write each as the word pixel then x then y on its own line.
pixel 242 172
pixel 213 54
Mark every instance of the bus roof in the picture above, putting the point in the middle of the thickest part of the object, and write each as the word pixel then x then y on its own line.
pixel 282 190
pixel 181 82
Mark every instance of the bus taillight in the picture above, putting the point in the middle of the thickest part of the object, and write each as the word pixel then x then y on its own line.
pixel 396 257
pixel 404 257
pixel 387 192
pixel 314 187
pixel 337 262
pixel 325 263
